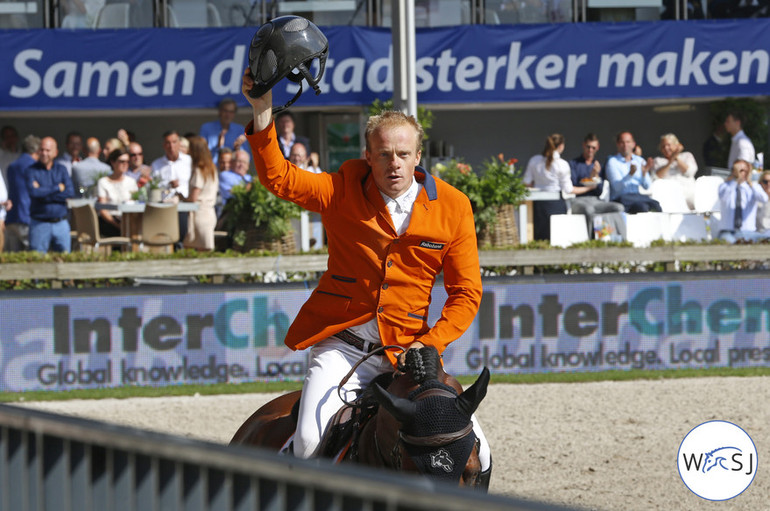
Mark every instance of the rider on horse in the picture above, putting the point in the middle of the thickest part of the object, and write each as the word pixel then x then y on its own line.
pixel 392 228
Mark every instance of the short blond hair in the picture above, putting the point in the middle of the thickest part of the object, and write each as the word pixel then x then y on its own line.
pixel 393 119
pixel 670 137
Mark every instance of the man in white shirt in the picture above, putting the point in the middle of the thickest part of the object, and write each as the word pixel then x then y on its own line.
pixel 739 200
pixel 175 170
pixel 741 147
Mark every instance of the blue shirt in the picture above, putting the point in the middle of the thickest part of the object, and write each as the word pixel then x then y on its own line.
pixel 211 130
pixel 47 201
pixel 582 170
pixel 620 178
pixel 17 190
pixel 228 179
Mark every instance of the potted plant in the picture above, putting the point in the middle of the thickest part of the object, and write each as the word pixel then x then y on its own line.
pixel 256 219
pixel 494 195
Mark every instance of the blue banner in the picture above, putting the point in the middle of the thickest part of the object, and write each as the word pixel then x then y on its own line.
pixel 194 68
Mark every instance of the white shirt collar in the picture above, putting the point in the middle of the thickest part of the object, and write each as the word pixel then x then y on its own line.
pixel 404 201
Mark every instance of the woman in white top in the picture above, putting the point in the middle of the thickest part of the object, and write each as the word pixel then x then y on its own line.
pixel 550 173
pixel 677 164
pixel 116 188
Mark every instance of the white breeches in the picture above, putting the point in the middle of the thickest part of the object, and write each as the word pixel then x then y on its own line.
pixel 330 361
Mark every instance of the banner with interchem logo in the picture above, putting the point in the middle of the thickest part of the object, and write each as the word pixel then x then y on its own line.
pixel 206 335
pixel 194 68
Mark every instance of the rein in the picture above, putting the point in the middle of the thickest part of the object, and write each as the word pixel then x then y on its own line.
pixel 372 353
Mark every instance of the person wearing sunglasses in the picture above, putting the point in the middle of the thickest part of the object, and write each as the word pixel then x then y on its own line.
pixel 116 188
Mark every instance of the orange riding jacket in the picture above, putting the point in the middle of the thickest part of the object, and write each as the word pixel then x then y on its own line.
pixel 372 271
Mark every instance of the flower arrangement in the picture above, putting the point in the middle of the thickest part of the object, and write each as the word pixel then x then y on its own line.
pixel 499 184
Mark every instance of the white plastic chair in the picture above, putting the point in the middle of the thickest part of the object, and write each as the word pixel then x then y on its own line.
pixel 113 16
pixel 687 226
pixel 669 195
pixel 707 193
pixel 567 230
pixel 644 228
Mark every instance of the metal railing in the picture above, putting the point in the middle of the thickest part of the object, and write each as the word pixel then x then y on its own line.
pixel 50 462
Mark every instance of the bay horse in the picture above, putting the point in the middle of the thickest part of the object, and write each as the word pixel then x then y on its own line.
pixel 421 423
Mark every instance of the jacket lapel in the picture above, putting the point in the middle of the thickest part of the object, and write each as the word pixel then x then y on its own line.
pixel 374 198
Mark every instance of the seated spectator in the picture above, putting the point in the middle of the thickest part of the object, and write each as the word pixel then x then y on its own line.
pixel 284 128
pixel 548 172
pixel 204 186
pixel 739 200
pixel 225 159
pixel 299 157
pixel 116 188
pixel 239 175
pixel 587 185
pixel 763 211
pixel 136 168
pixel 74 151
pixel 677 164
pixel 627 174
pixel 88 170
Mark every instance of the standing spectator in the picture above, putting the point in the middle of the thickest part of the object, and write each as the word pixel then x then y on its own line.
pixel 741 147
pixel 712 147
pixel 5 205
pixel 299 157
pixel 677 164
pixel 284 127
pixel 548 172
pixel 49 187
pixel 17 221
pixel 74 151
pixel 136 167
pixel 204 186
pixel 588 183
pixel 9 148
pixel 763 212
pixel 174 169
pixel 239 175
pixel 739 200
pixel 225 160
pixel 110 145
pixel 224 132
pixel 87 171
pixel 116 188
pixel 627 173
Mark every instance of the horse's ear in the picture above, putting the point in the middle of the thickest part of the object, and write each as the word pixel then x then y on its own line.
pixel 402 409
pixel 468 401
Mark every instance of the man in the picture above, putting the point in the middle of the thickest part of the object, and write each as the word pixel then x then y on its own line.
pixel 136 167
pixel 9 148
pixel 86 172
pixel 392 229
pixel 587 185
pixel 741 147
pixel 174 169
pixel 49 186
pixel 238 175
pixel 17 221
pixel 763 211
pixel 739 199
pixel 74 151
pixel 225 159
pixel 299 157
pixel 223 132
pixel 627 173
pixel 284 126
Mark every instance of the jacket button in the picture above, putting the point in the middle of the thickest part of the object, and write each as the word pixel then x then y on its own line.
pixel 390 263
pixel 380 309
pixel 385 286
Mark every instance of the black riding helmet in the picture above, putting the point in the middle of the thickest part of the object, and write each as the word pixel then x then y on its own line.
pixel 286 47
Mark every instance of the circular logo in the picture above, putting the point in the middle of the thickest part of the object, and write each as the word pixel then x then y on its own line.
pixel 717 460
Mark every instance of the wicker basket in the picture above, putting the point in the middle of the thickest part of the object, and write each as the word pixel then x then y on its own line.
pixel 505 232
pixel 255 240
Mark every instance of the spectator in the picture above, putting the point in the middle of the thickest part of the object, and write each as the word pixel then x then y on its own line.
pixel 741 147
pixel 284 127
pixel 239 175
pixel 74 151
pixel 204 186
pixel 17 221
pixel 739 200
pixel 49 187
pixel 174 169
pixel 712 147
pixel 224 132
pixel 627 174
pixel 299 157
pixel 9 148
pixel 587 184
pixel 184 145
pixel 136 167
pixel 86 172
pixel 763 211
pixel 5 205
pixel 225 159
pixel 110 145
pixel 116 188
pixel 677 164
pixel 548 172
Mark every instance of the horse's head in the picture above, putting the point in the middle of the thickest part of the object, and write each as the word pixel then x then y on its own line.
pixel 430 429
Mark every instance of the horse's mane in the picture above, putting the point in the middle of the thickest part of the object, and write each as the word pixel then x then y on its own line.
pixel 422 364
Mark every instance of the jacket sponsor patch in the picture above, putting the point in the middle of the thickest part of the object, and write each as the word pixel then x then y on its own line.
pixel 431 245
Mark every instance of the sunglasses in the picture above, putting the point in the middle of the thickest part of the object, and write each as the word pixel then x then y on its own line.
pixel 134 154
pixel 765 181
